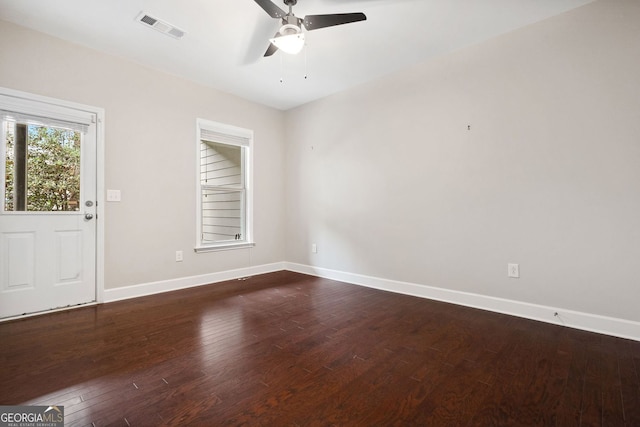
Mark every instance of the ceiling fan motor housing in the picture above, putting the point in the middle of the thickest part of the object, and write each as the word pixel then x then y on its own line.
pixel 291 24
pixel 290 29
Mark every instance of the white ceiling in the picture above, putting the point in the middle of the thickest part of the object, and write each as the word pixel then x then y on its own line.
pixel 225 39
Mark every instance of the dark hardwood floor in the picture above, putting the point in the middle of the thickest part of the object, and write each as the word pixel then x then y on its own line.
pixel 285 349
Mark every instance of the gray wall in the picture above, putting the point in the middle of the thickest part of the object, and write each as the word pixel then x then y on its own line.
pixel 389 182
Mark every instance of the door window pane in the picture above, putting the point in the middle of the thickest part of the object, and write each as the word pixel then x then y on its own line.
pixel 222 215
pixel 42 168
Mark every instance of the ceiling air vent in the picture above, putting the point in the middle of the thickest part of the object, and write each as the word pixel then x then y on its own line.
pixel 158 25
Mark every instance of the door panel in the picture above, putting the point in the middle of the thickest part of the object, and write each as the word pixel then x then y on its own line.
pixel 48 263
pixel 18 261
pixel 69 256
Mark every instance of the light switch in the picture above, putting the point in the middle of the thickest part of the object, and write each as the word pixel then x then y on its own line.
pixel 113 195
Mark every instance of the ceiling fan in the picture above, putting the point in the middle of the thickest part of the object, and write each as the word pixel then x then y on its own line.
pixel 290 38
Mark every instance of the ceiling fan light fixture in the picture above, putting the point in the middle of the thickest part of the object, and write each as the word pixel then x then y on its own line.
pixel 290 40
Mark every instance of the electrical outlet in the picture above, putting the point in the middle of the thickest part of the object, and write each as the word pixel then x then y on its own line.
pixel 179 257
pixel 314 248
pixel 513 270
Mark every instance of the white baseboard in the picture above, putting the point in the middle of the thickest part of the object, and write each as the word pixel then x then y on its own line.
pixel 144 289
pixel 573 319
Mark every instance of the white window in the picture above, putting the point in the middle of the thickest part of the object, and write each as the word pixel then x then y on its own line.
pixel 224 202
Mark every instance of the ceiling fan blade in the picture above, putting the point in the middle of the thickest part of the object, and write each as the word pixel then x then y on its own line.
pixel 313 22
pixel 271 50
pixel 272 47
pixel 271 8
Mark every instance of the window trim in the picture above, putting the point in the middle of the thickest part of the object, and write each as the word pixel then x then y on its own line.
pixel 230 135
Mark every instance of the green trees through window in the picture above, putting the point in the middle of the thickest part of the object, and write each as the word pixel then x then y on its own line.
pixel 42 168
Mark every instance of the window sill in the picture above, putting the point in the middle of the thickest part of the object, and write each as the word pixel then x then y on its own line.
pixel 223 247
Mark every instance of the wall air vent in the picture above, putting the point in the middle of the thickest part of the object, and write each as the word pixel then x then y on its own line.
pixel 161 26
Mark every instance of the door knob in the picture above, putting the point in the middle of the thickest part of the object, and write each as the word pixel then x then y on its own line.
pixel 88 216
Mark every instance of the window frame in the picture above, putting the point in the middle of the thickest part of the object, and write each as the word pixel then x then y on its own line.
pixel 231 136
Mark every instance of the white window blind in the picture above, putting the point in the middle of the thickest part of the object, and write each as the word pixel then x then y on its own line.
pixel 34 113
pixel 224 138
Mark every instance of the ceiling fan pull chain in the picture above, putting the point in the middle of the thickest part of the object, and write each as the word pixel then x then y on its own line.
pixel 281 70
pixel 305 61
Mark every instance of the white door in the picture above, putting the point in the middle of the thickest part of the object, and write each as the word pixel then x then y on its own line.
pixel 48 206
